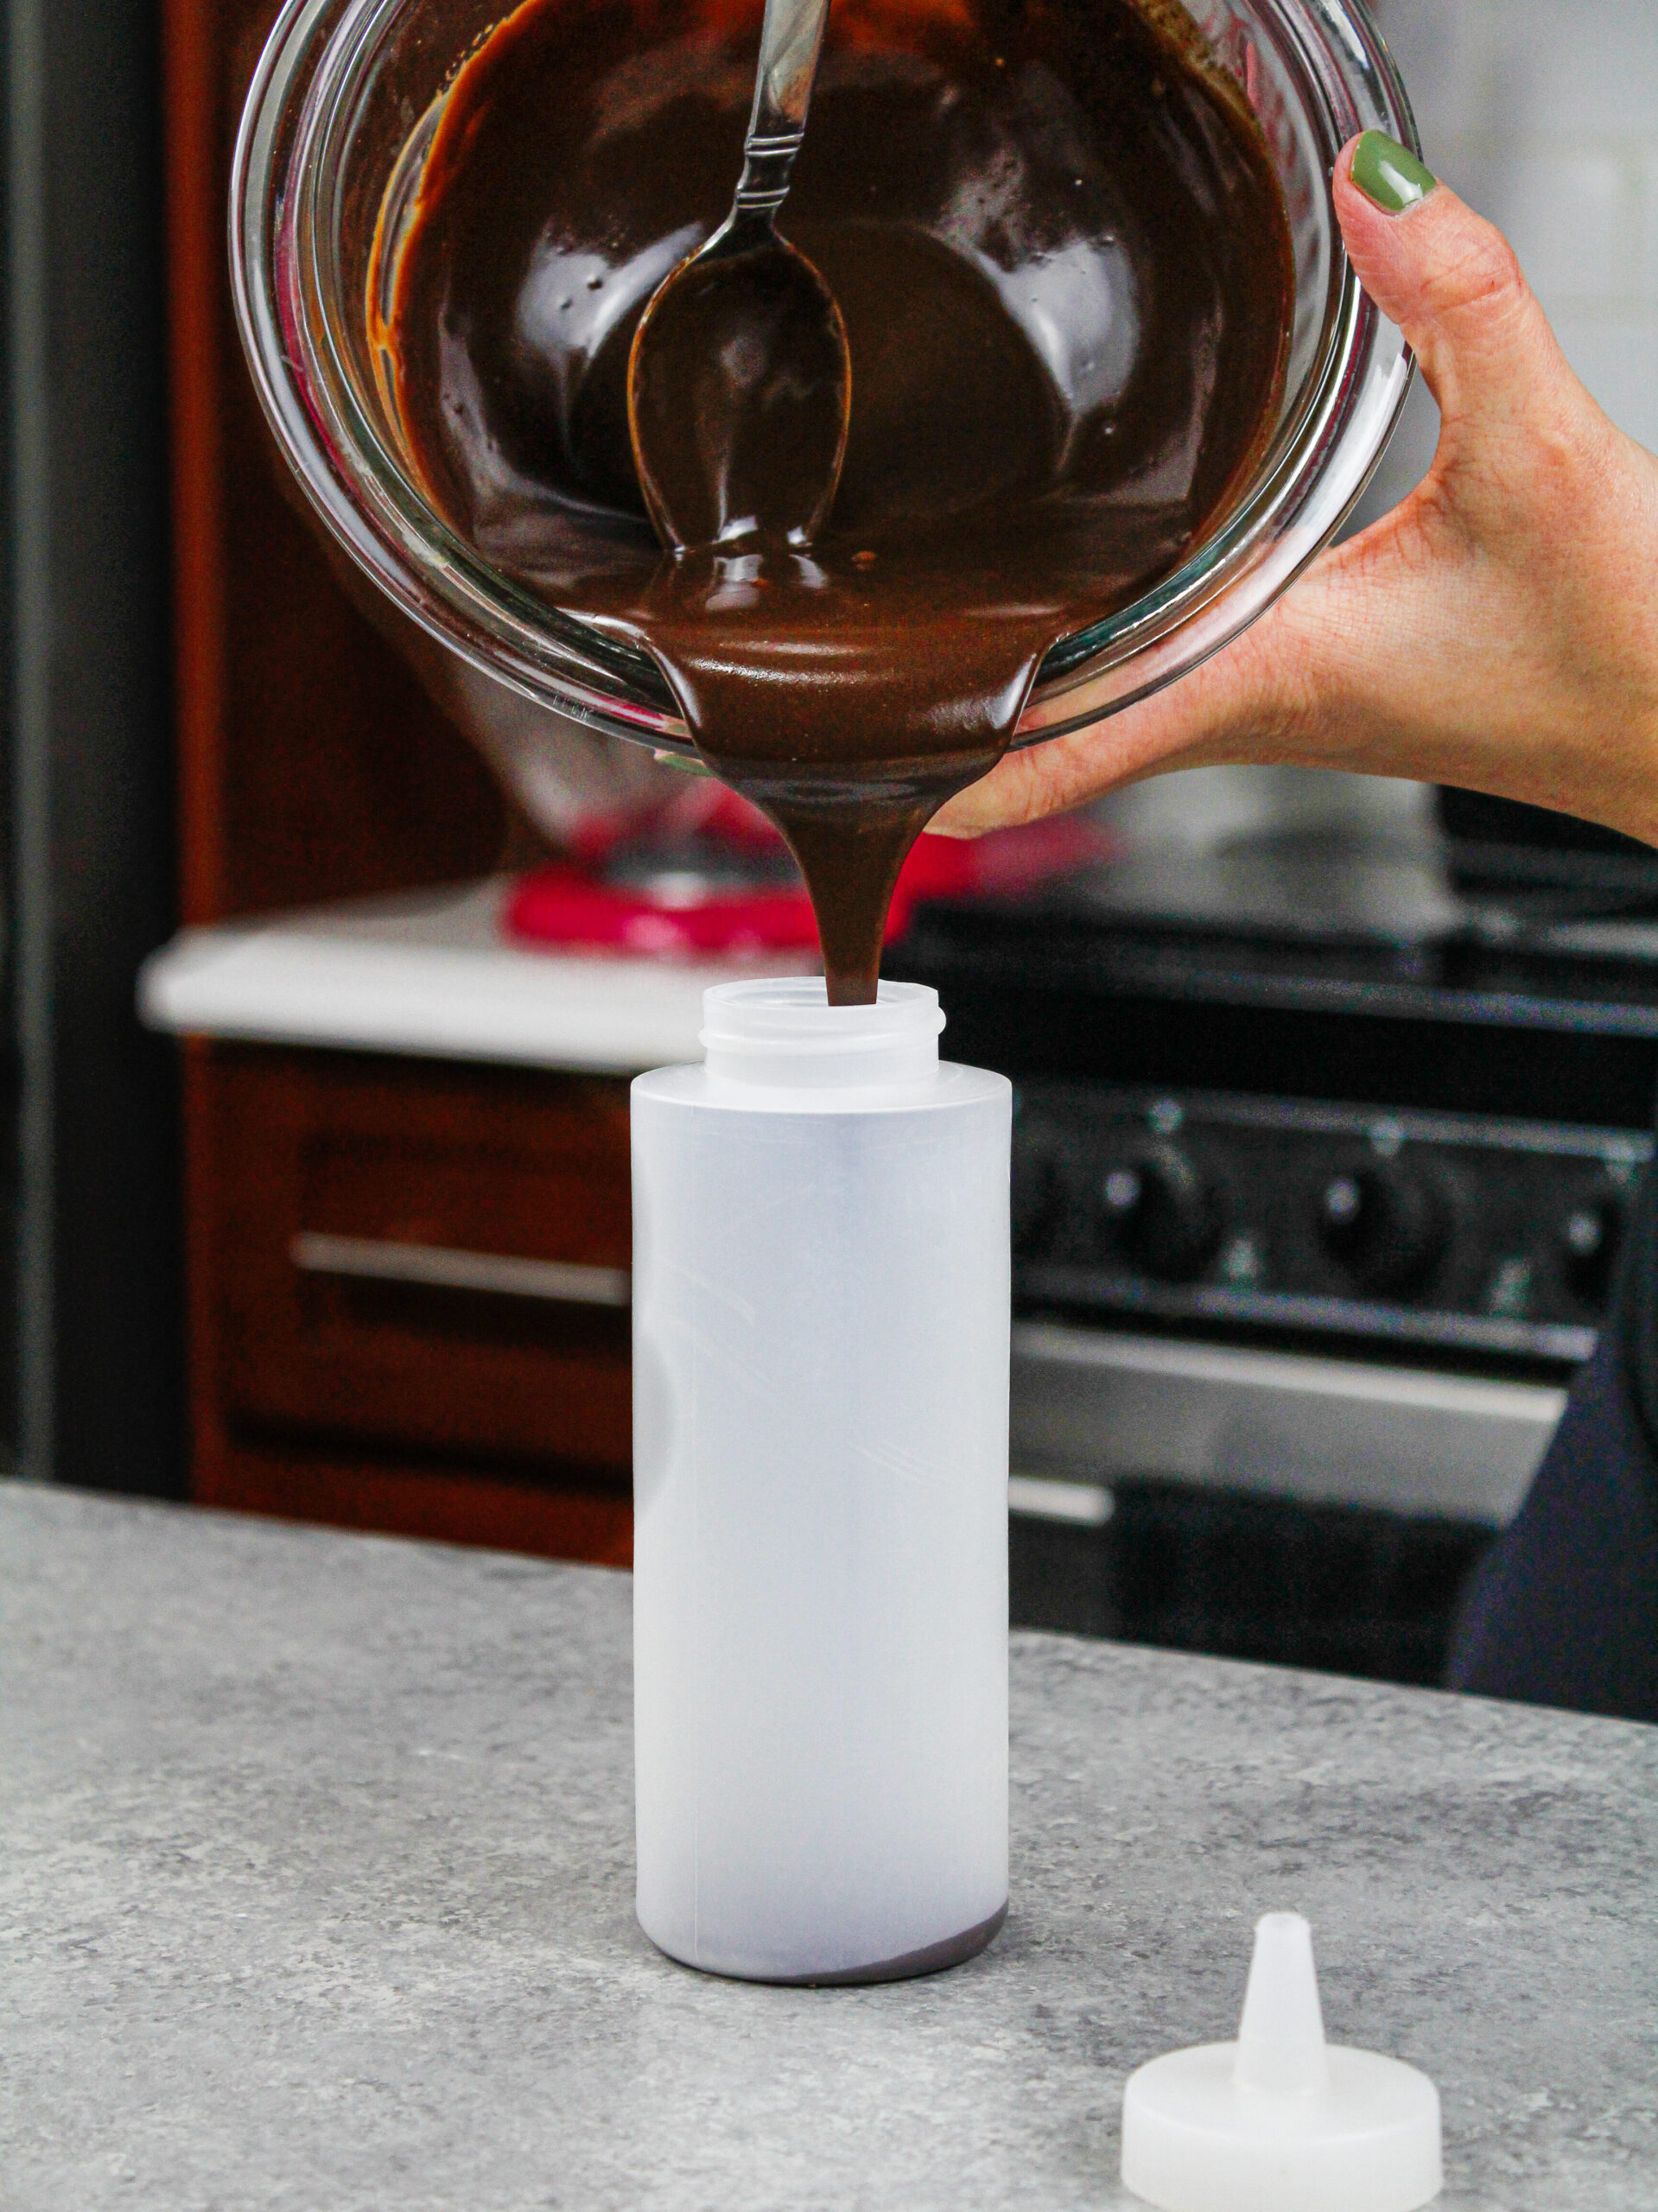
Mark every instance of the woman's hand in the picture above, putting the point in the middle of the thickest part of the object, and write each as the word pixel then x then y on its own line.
pixel 1498 630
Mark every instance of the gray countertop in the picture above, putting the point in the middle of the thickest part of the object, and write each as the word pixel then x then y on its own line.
pixel 317 1861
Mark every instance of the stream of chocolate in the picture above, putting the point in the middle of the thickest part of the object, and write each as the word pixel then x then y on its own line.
pixel 1062 253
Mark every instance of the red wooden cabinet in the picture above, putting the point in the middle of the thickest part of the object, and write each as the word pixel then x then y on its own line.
pixel 311 767
pixel 410 1284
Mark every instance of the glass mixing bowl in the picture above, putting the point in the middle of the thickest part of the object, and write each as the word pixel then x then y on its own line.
pixel 341 112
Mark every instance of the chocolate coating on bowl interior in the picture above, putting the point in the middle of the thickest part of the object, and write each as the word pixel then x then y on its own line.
pixel 1061 250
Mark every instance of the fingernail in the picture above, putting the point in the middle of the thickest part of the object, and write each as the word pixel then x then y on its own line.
pixel 1390 174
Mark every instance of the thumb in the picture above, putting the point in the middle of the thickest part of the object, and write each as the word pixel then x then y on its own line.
pixel 1448 278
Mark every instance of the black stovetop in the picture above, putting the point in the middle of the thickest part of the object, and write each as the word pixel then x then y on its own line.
pixel 1305 967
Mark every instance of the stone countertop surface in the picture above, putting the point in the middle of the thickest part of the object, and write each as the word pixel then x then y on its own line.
pixel 317 1861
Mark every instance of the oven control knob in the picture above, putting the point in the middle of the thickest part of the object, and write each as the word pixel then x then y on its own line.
pixel 1590 1236
pixel 1162 1213
pixel 1386 1225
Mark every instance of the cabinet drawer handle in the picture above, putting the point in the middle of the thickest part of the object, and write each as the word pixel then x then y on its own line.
pixel 371 1259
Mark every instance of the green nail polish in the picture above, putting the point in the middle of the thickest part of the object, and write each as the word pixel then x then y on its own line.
pixel 1390 174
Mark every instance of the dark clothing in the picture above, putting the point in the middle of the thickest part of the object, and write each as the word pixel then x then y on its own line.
pixel 1563 1609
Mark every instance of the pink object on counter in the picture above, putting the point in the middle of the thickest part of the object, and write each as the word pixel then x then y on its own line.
pixel 672 899
pixel 565 905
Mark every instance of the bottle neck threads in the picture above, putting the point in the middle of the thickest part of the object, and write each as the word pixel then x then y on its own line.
pixel 784 1036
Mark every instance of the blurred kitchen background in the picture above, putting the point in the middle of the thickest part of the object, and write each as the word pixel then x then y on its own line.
pixel 1332 1092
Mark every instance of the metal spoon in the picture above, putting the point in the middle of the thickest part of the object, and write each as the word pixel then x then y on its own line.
pixel 740 385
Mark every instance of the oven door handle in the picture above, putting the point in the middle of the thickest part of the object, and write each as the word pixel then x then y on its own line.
pixel 440 1267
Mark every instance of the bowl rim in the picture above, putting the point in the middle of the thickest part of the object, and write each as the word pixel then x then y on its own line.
pixel 368 503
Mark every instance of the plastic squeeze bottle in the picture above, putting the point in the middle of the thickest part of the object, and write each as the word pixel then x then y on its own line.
pixel 819 1599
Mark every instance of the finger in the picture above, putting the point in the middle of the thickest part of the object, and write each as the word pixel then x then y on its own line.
pixel 1448 278
pixel 1257 700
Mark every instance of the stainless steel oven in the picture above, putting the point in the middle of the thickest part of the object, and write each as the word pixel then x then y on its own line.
pixel 1315 1217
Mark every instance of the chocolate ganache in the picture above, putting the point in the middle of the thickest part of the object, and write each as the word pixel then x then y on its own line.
pixel 1060 248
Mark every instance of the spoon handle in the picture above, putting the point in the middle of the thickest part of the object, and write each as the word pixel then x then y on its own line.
pixel 789 42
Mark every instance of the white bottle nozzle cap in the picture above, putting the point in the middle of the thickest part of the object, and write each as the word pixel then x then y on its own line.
pixel 1278 2121
pixel 1281 2035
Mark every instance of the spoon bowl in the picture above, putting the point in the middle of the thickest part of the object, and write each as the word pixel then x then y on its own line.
pixel 740 383
pixel 739 394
